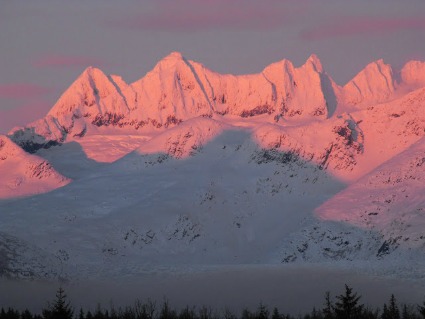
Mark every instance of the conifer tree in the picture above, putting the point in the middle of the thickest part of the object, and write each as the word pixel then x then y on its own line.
pixel 229 314
pixel 327 310
pixel 404 312
pixel 347 306
pixel 81 314
pixel 166 312
pixel 205 313
pixel 369 313
pixel 407 313
pixel 421 310
pixel 392 311
pixel 246 314
pixel 315 314
pixel 262 312
pixel 145 310
pixel 276 314
pixel 187 313
pixel 26 314
pixel 60 309
pixel 385 312
pixel 10 314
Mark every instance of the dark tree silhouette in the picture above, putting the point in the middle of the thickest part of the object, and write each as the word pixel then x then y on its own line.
pixel 262 312
pixel 276 314
pixel 60 309
pixel 26 314
pixel 347 306
pixel 187 313
pixel 327 310
pixel 391 311
pixel 145 310
pixel 421 310
pixel 9 314
pixel 205 313
pixel 166 312
pixel 81 314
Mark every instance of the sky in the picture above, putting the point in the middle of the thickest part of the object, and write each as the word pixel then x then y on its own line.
pixel 46 44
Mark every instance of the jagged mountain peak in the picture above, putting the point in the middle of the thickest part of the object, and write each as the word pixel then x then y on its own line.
pixel 375 68
pixel 381 65
pixel 178 89
pixel 87 90
pixel 413 73
pixel 174 55
pixel 94 78
pixel 169 62
pixel 315 62
pixel 287 66
pixel 277 70
pixel 374 84
pixel 92 71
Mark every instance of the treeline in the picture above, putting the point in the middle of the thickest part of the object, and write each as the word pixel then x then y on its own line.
pixel 345 306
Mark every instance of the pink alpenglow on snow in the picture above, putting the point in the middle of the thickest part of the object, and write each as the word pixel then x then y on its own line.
pixel 181 105
pixel 25 174
pixel 186 164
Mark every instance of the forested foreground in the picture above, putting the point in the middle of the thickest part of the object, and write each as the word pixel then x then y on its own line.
pixel 348 305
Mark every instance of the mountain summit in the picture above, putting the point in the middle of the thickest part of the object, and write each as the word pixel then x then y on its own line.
pixel 188 164
pixel 178 89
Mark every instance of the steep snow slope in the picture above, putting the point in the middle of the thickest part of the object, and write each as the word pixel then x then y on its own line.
pixel 203 192
pixel 20 259
pixel 347 145
pixel 229 202
pixel 24 174
pixel 389 129
pixel 390 201
pixel 374 84
pixel 184 140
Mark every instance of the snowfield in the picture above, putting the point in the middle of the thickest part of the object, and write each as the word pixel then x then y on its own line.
pixel 190 173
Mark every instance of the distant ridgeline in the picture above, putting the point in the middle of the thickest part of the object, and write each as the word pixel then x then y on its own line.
pixel 178 89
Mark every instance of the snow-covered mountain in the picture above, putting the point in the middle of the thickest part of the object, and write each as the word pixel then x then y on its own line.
pixel 390 200
pixel 25 174
pixel 187 165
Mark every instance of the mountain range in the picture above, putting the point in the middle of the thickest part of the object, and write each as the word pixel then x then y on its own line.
pixel 190 167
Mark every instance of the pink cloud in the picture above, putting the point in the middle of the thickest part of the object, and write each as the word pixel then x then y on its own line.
pixel 22 91
pixel 191 15
pixel 67 61
pixel 364 25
